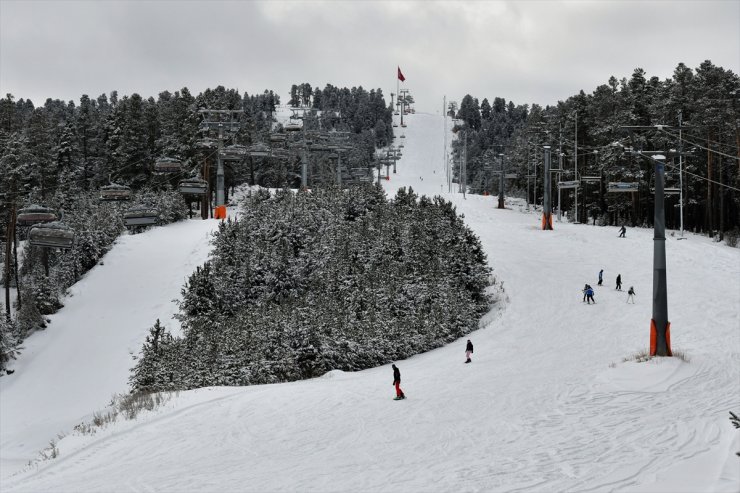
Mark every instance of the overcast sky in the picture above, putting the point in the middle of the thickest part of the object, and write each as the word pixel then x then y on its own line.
pixel 524 51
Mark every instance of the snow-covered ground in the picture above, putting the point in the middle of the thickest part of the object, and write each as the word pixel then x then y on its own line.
pixel 547 404
pixel 76 365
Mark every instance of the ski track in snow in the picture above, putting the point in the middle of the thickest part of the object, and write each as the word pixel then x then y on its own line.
pixel 546 405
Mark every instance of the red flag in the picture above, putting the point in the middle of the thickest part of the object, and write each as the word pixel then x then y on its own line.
pixel 400 75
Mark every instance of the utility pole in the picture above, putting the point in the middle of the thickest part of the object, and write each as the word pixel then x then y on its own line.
pixel 528 161
pixel 9 233
pixel 680 167
pixel 444 130
pixel 535 180
pixel 575 168
pixel 464 164
pixel 560 165
pixel 501 184
pixel 546 202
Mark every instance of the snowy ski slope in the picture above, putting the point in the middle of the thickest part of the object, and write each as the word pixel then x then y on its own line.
pixel 547 404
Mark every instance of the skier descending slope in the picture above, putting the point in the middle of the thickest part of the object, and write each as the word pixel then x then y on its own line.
pixel 468 351
pixel 397 382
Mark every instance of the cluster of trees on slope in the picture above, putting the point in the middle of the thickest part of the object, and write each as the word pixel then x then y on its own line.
pixel 61 153
pixel 355 109
pixel 707 100
pixel 309 282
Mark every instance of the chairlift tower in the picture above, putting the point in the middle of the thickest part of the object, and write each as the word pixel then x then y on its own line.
pixel 546 202
pixel 402 95
pixel 227 123
pixel 660 327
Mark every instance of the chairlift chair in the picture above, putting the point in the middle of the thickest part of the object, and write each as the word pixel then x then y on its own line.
pixel 167 165
pixel 193 186
pixel 258 150
pixel 668 190
pixel 115 192
pixel 278 137
pixel 51 235
pixel 233 152
pixel 207 143
pixel 617 186
pixel 140 216
pixel 35 214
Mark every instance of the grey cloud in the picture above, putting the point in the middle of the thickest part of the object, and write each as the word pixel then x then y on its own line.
pixel 534 51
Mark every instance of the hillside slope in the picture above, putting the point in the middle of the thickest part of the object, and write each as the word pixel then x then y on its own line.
pixel 547 404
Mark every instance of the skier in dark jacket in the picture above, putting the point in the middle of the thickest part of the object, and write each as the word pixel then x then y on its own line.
pixel 622 231
pixel 601 276
pixel 619 282
pixel 468 351
pixel 397 383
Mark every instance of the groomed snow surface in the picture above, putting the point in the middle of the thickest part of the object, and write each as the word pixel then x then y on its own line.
pixel 548 404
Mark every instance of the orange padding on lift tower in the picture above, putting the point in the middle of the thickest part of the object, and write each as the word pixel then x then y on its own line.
pixel 220 212
pixel 654 339
pixel 547 221
pixel 668 338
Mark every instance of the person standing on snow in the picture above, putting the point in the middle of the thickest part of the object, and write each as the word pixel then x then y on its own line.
pixel 468 351
pixel 622 231
pixel 631 295
pixel 585 289
pixel 601 276
pixel 397 383
pixel 619 282
pixel 590 295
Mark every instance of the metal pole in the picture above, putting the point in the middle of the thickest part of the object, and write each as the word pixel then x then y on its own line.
pixel 10 231
pixel 501 185
pixel 680 168
pixel 339 169
pixel 575 169
pixel 535 180
pixel 465 165
pixel 401 101
pixel 220 170
pixel 546 202
pixel 660 327
pixel 560 166
pixel 528 163
pixel 304 169
pixel 444 131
